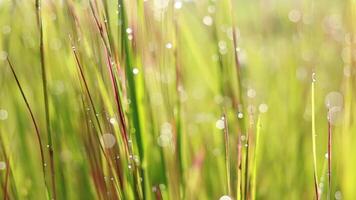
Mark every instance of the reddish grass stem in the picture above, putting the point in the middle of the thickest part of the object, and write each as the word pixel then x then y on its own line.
pixel 45 94
pixel 32 118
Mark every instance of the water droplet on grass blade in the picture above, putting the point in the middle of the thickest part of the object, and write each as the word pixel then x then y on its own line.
pixel 135 71
pixel 112 120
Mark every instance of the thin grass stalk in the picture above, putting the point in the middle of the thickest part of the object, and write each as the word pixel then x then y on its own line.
pixel 239 168
pixel 81 74
pixel 247 159
pixel 6 195
pixel 314 137
pixel 329 156
pixel 227 154
pixel 33 120
pixel 179 86
pixel 256 158
pixel 46 102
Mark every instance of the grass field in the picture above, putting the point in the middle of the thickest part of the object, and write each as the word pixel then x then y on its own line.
pixel 177 99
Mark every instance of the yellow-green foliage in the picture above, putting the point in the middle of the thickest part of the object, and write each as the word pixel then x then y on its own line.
pixel 177 99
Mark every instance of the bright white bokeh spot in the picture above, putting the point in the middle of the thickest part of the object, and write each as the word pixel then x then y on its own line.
pixel 240 115
pixel 178 5
pixel 225 197
pixel 108 140
pixel 220 124
pixel 251 93
pixel 295 15
pixel 129 30
pixel 334 99
pixel 112 120
pixel 3 114
pixel 326 156
pixel 135 71
pixel 169 45
pixel 263 108
pixel 207 20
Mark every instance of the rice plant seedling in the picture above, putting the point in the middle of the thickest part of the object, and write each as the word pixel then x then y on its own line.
pixel 177 99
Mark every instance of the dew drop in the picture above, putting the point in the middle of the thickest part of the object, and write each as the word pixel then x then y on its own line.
pixel 169 45
pixel 135 71
pixel 220 124
pixel 240 115
pixel 313 77
pixel 129 30
pixel 112 120
pixel 208 20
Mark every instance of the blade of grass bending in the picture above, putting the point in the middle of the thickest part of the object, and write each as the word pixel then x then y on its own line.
pixel 33 121
pixel 45 95
pixel 313 137
pixel 256 159
pixel 81 74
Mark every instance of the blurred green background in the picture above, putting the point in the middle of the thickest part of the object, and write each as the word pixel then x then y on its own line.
pixel 164 73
